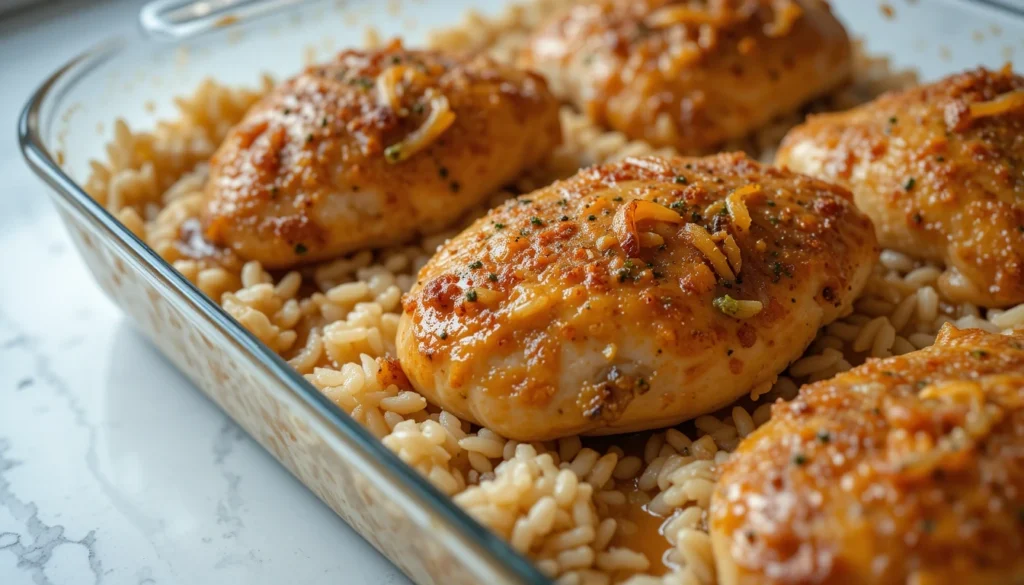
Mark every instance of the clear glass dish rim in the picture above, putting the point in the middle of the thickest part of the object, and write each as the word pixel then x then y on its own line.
pixel 390 467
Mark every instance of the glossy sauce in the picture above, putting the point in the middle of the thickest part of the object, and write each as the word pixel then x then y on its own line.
pixel 648 539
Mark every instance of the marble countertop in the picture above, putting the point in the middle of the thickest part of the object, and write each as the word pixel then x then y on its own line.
pixel 113 468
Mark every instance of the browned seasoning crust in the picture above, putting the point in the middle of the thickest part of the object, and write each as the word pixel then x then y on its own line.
pixel 906 470
pixel 940 170
pixel 593 306
pixel 328 162
pixel 691 74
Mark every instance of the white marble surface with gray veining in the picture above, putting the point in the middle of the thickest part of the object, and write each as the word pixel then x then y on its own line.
pixel 113 468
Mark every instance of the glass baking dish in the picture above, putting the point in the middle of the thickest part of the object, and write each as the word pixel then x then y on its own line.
pixel 70 118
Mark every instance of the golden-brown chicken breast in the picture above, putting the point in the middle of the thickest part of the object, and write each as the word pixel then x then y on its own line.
pixel 373 148
pixel 938 168
pixel 691 73
pixel 634 295
pixel 904 471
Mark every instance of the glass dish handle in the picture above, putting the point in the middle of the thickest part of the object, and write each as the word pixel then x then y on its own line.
pixel 178 19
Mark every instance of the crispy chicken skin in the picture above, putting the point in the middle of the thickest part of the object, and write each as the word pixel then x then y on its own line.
pixel 620 299
pixel 904 471
pixel 938 168
pixel 691 74
pixel 371 148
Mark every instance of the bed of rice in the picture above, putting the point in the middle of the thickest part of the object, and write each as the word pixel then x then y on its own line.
pixel 570 505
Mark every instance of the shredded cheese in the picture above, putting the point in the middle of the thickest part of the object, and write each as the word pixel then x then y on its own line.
pixel 440 119
pixel 955 391
pixel 738 209
pixel 388 86
pixel 701 239
pixel 787 13
pixel 732 252
pixel 1003 104
pixel 681 14
pixel 948 448
pixel 634 213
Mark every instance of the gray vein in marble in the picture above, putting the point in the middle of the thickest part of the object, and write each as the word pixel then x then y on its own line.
pixel 238 559
pixel 44 373
pixel 229 507
pixel 34 549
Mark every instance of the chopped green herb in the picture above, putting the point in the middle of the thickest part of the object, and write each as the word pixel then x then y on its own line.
pixel 778 269
pixel 696 217
pixel 536 221
pixel 909 183
pixel 771 203
pixel 564 218
pixel 617 199
pixel 591 217
pixel 301 248
pixel 393 153
pixel 492 277
pixel 471 295
pixel 680 180
pixel 526 201
pixel 799 459
pixel 499 226
pixel 418 108
pixel 979 353
pixel 476 265
pixel 443 335
pixel 892 120
pixel 824 436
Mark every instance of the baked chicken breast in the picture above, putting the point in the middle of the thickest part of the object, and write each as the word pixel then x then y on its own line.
pixel 633 295
pixel 938 168
pixel 904 471
pixel 372 148
pixel 691 74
